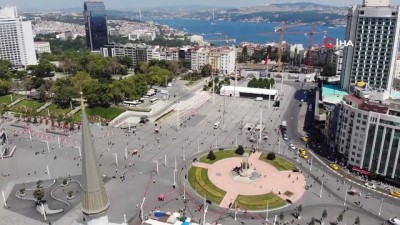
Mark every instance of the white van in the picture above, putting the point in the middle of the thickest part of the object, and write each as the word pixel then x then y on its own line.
pixel 216 125
pixel 259 99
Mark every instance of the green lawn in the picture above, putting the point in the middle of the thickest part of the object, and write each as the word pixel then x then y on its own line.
pixel 220 155
pixel 198 179
pixel 55 110
pixel 6 99
pixel 96 113
pixel 259 202
pixel 279 163
pixel 24 105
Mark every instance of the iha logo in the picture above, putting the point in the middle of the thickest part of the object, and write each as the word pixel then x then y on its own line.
pixel 331 42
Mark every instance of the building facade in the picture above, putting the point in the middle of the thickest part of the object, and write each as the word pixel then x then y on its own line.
pixel 373 30
pixel 42 47
pixel 368 135
pixel 222 59
pixel 95 24
pixel 16 38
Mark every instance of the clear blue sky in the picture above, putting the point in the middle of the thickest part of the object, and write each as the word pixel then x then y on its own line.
pixel 132 4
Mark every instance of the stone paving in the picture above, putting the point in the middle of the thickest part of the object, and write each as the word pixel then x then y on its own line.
pixel 271 180
pixel 181 144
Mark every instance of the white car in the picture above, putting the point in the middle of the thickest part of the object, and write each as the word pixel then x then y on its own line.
pixel 370 185
pixel 292 146
pixel 394 221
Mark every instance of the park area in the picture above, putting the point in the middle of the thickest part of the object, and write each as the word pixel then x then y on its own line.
pixel 279 163
pixel 100 114
pixel 199 181
pixel 220 155
pixel 26 105
pixel 249 181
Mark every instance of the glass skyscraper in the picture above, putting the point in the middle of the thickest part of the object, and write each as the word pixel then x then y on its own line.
pixel 95 24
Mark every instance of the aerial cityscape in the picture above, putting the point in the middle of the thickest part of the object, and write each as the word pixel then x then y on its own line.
pixel 186 114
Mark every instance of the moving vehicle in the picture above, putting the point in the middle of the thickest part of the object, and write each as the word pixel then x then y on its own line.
pixel 305 156
pixel 144 119
pixel 216 125
pixel 305 138
pixel 395 193
pixel 334 166
pixel 302 151
pixel 370 185
pixel 259 99
pixel 394 221
pixel 292 146
pixel 285 137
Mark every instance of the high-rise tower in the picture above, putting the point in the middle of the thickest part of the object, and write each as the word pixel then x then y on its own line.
pixel 373 29
pixel 95 198
pixel 95 24
pixel 16 39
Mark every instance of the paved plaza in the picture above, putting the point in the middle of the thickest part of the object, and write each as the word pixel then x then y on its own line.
pixel 143 178
pixel 271 180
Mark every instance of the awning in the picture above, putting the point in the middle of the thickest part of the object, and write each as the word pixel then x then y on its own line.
pixel 358 169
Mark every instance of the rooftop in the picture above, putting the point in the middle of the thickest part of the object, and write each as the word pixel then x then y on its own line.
pixel 332 94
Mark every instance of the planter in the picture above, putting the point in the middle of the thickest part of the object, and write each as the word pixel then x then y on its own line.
pixel 21 194
pixel 70 197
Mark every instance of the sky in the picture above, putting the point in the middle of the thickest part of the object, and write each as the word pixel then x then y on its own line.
pixel 135 4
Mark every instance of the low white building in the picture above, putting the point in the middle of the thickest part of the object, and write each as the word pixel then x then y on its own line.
pixel 231 91
pixel 196 38
pixel 42 47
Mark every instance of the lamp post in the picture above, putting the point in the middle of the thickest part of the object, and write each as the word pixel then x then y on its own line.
pixel 380 207
pixel 320 192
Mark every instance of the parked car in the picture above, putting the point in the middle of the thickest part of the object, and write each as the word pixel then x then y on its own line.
pixel 370 185
pixel 292 146
pixel 285 137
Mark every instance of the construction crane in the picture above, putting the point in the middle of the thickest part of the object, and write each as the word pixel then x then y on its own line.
pixel 311 35
pixel 280 30
pixel 226 40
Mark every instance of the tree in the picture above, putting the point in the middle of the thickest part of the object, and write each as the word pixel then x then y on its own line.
pixel 211 155
pixel 328 71
pixel 312 222
pixel 5 86
pixel 239 150
pixel 70 193
pixel 125 60
pixel 206 70
pixel 43 69
pixel 38 194
pixel 271 156
pixel 357 221
pixel 281 216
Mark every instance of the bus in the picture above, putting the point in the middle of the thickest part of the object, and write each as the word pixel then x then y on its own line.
pixel 130 103
pixel 153 100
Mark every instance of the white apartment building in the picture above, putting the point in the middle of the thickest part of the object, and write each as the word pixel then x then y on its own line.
pixel 373 29
pixel 153 53
pixel 42 47
pixel 222 59
pixel 16 38
pixel 228 60
pixel 369 135
pixel 337 61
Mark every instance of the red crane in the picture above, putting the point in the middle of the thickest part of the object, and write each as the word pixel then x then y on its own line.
pixel 311 34
pixel 280 30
